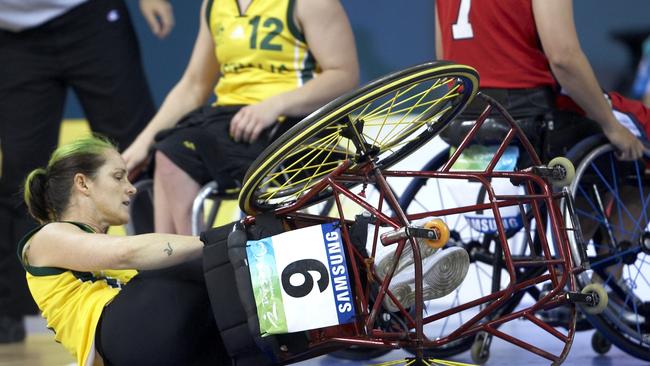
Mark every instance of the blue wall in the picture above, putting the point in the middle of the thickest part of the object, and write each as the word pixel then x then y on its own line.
pixel 394 34
pixel 597 21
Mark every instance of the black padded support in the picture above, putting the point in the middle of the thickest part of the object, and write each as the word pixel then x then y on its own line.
pixel 231 295
pixel 265 225
pixel 229 313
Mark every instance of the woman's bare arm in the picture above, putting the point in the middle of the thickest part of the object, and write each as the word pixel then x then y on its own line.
pixel 556 28
pixel 64 245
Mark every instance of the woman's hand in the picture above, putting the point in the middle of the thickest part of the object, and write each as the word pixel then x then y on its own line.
pixel 135 156
pixel 250 121
pixel 159 15
pixel 629 147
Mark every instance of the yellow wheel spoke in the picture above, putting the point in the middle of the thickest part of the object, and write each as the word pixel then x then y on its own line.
pixel 306 167
pixel 380 110
pixel 377 111
pixel 408 109
pixel 399 130
pixel 400 141
pixel 304 153
pixel 401 120
pixel 295 167
pixel 403 101
pixel 402 361
pixel 427 361
pixel 299 183
pixel 409 129
pixel 391 363
pixel 370 122
pixel 361 113
pixel 383 123
pixel 288 175
pixel 433 104
pixel 269 194
pixel 392 115
pixel 449 363
pixel 310 178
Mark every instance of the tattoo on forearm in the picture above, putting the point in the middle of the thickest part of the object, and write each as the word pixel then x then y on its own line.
pixel 169 250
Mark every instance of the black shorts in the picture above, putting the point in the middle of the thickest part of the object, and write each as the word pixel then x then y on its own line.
pixel 549 131
pixel 529 107
pixel 162 317
pixel 202 147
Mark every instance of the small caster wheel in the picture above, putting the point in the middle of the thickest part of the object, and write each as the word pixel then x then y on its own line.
pixel 480 350
pixel 441 229
pixel 601 298
pixel 563 172
pixel 600 344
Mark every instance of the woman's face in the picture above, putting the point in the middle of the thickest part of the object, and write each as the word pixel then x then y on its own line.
pixel 111 190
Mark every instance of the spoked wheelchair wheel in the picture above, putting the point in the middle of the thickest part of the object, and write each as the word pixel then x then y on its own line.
pixel 612 203
pixel 353 141
pixel 487 272
pixel 382 122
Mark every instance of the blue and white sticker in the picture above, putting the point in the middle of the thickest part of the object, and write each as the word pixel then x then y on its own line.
pixel 300 280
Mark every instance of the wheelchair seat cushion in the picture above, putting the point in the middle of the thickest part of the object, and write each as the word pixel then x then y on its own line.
pixel 530 108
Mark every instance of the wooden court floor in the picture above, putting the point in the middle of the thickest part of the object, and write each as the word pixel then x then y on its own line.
pixel 40 349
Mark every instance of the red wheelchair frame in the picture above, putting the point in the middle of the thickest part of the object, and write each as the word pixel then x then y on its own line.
pixel 559 268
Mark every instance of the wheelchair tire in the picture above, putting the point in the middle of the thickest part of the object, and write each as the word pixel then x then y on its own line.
pixel 605 192
pixel 384 121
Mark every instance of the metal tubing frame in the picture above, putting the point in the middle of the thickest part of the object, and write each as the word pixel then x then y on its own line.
pixel 367 335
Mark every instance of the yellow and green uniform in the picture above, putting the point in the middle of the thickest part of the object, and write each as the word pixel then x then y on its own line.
pixel 261 52
pixel 73 301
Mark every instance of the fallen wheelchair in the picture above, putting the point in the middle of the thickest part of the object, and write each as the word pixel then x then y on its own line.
pixel 289 286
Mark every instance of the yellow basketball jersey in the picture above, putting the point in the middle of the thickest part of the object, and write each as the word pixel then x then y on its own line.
pixel 261 52
pixel 72 301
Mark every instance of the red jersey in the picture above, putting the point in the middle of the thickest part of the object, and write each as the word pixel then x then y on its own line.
pixel 496 37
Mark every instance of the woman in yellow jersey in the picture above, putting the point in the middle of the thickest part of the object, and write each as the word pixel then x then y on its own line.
pixel 269 62
pixel 84 282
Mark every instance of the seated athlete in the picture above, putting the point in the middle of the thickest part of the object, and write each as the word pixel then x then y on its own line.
pixel 269 63
pixel 86 283
pixel 523 60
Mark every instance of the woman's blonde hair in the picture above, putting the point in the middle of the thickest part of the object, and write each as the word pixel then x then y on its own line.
pixel 47 190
